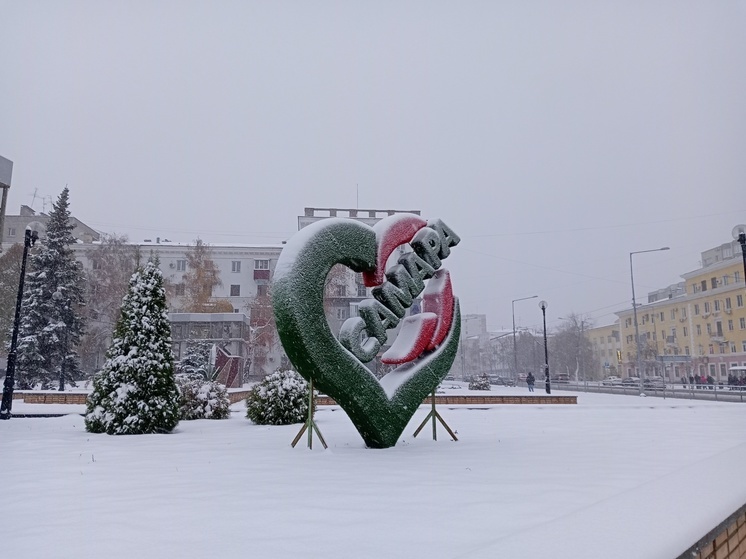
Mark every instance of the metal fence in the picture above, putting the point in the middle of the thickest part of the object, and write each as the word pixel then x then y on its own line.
pixel 720 393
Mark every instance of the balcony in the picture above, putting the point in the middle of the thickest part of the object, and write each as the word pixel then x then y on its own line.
pixel 261 275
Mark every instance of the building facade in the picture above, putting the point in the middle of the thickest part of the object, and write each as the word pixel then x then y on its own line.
pixel 606 346
pixel 698 332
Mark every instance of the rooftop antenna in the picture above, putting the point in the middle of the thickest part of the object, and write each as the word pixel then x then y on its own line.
pixel 357 196
pixel 34 198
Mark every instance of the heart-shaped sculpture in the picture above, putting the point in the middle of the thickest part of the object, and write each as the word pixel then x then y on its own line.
pixel 379 410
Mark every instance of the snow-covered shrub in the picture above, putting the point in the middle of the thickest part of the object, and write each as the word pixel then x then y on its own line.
pixel 202 399
pixel 280 399
pixel 481 382
pixel 135 392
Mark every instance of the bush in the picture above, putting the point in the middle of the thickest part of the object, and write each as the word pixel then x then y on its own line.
pixel 202 399
pixel 479 383
pixel 280 399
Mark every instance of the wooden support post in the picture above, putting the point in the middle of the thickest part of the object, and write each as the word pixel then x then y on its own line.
pixel 435 416
pixel 310 424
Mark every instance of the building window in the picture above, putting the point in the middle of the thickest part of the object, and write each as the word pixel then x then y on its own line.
pixel 707 307
pixel 696 309
pixel 699 329
pixel 11 231
pixel 730 325
pixel 181 265
pixel 739 301
pixel 341 291
pixel 262 290
pixel 713 282
pixel 743 346
pixel 673 314
pixel 686 331
pixel 662 316
pixel 727 304
pixel 683 312
pixel 742 323
pixel 342 314
pixel 737 277
pixel 703 285
pixel 235 310
pixel 236 266
pixel 261 264
pixel 725 280
pixel 686 350
pixel 733 347
pixel 361 292
pixel 711 349
pixel 235 290
pixel 717 305
pixel 179 289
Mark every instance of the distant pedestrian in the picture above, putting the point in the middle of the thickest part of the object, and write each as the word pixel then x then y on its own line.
pixel 530 381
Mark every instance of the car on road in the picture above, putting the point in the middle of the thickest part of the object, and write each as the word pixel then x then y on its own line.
pixel 502 381
pixel 612 381
pixel 654 382
pixel 631 381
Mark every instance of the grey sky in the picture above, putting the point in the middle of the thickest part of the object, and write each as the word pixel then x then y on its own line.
pixel 554 137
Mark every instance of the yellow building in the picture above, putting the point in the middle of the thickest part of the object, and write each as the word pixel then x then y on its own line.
pixel 700 331
pixel 605 343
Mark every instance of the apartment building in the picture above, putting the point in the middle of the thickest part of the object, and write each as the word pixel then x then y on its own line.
pixel 700 330
pixel 606 346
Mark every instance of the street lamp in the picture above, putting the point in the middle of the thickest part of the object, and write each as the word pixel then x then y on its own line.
pixel 30 239
pixel 634 312
pixel 543 305
pixel 515 352
pixel 739 234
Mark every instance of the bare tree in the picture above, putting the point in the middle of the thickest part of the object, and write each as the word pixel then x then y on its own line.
pixel 263 333
pixel 113 263
pixel 201 278
pixel 10 275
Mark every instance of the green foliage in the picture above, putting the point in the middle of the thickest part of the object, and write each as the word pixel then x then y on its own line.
pixel 202 399
pixel 51 323
pixel 481 382
pixel 135 392
pixel 280 399
pixel 298 301
pixel 196 360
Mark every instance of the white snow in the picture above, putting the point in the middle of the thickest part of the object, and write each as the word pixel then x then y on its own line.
pixel 611 477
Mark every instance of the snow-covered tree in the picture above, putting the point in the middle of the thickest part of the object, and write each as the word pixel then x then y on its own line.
pixel 481 382
pixel 135 392
pixel 51 323
pixel 280 399
pixel 202 399
pixel 196 360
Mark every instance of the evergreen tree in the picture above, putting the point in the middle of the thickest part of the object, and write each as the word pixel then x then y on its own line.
pixel 135 392
pixel 51 323
pixel 196 360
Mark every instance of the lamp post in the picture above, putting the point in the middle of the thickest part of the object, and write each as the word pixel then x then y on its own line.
pixel 739 234
pixel 30 239
pixel 634 312
pixel 515 351
pixel 543 305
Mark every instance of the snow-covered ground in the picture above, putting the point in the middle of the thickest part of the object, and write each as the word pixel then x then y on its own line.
pixel 612 477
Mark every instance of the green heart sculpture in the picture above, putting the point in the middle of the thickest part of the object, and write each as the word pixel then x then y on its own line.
pixel 380 412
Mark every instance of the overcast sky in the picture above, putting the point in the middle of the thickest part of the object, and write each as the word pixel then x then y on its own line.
pixel 554 137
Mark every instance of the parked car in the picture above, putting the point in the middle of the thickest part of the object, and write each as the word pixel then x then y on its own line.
pixel 561 377
pixel 654 382
pixel 631 381
pixel 502 381
pixel 612 381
